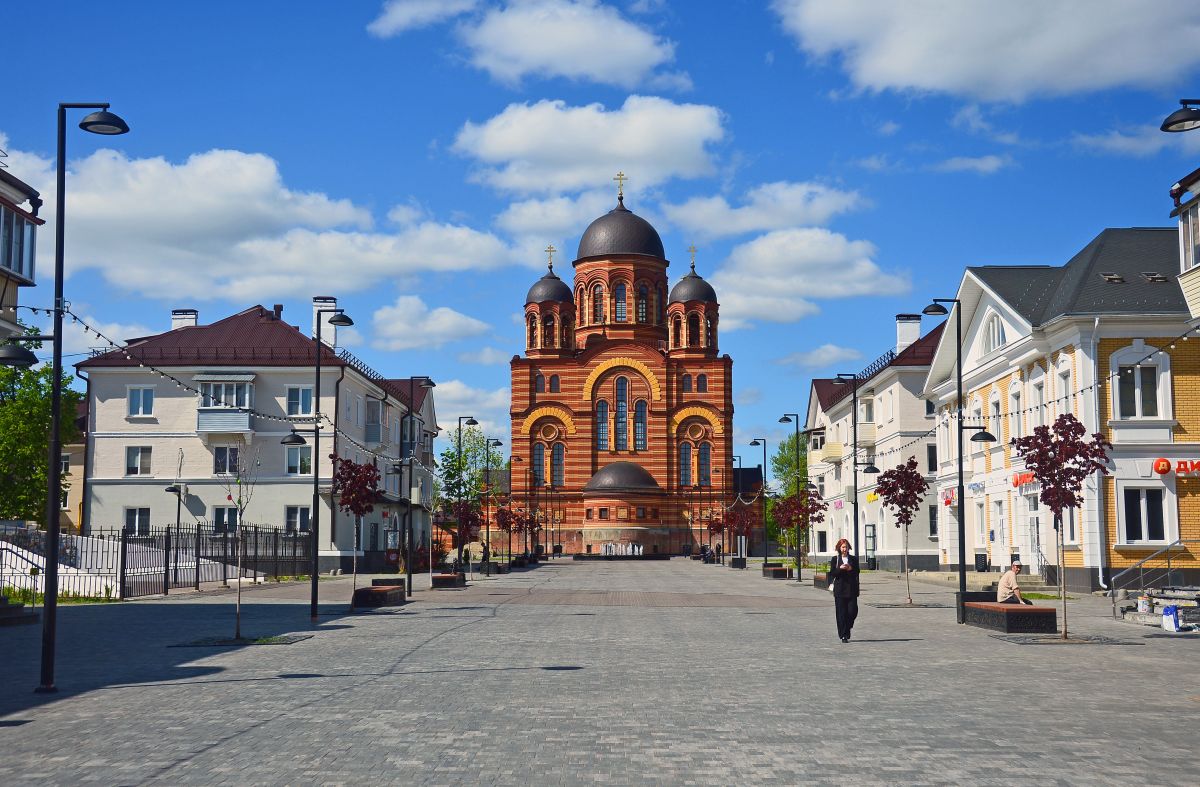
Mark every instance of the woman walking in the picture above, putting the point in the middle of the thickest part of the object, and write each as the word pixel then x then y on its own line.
pixel 843 580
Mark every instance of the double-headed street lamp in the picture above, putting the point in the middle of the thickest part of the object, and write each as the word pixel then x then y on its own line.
pixel 489 444
pixel 99 122
pixel 410 549
pixel 936 309
pixel 462 480
pixel 868 467
pixel 339 320
pixel 763 492
pixel 794 418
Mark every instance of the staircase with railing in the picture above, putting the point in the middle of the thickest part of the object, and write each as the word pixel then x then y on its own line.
pixel 1157 570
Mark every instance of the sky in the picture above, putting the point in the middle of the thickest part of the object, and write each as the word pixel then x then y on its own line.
pixel 835 162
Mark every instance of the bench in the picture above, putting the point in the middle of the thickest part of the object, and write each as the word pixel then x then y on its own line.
pixel 452 580
pixel 777 572
pixel 1011 618
pixel 378 596
pixel 388 582
pixel 820 580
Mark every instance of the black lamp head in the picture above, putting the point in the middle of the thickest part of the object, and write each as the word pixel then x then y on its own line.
pixel 755 442
pixel 935 310
pixel 870 469
pixel 427 383
pixel 341 320
pixel 295 438
pixel 496 443
pixel 471 422
pixel 983 436
pixel 173 489
pixel 104 122
pixel 17 356
pixel 1184 119
pixel 787 419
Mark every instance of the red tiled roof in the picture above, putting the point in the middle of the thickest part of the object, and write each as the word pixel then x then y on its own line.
pixel 827 391
pixel 403 383
pixel 920 352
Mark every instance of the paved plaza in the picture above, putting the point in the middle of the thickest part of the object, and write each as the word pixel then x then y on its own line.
pixel 613 673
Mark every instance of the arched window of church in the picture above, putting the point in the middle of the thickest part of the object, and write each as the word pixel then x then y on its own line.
pixel 539 464
pixel 643 301
pixel 677 328
pixel 557 465
pixel 598 304
pixel 705 464
pixel 660 306
pixel 602 425
pixel 579 299
pixel 622 418
pixel 710 339
pixel 685 464
pixel 548 331
pixel 702 383
pixel 685 385
pixel 554 383
pixel 532 331
pixel 539 383
pixel 693 336
pixel 619 302
pixel 639 425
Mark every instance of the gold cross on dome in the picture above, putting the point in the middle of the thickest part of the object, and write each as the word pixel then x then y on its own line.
pixel 620 179
pixel 692 251
pixel 550 251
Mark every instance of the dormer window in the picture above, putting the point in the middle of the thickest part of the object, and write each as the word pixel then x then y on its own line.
pixel 993 335
pixel 1189 236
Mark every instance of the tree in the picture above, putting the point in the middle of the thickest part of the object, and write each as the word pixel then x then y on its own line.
pixel 740 521
pixel 466 515
pixel 1061 460
pixel 462 476
pixel 239 488
pixel 505 520
pixel 902 489
pixel 791 475
pixel 25 437
pixel 798 513
pixel 357 488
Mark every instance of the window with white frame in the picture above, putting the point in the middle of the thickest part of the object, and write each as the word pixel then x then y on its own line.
pixel 993 334
pixel 62 500
pixel 140 399
pixel 226 395
pixel 296 519
pixel 1144 519
pixel 866 412
pixel 818 440
pixel 358 411
pixel 225 518
pixel 1014 413
pixel 929 407
pixel 999 526
pixel 1189 230
pixel 933 521
pixel 821 486
pixel 1037 403
pixel 1142 382
pixel 225 460
pixel 137 460
pixel 64 464
pixel 137 521
pixel 1069 528
pixel 994 421
pixel 299 460
pixel 980 526
pixel 976 418
pixel 299 400
pixel 1062 389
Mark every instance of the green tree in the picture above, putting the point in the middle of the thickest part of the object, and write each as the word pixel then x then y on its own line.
pixel 25 438
pixel 787 473
pixel 462 476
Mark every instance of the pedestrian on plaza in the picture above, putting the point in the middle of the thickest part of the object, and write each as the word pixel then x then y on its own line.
pixel 1007 590
pixel 843 581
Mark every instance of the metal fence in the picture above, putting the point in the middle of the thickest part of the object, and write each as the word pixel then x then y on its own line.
pixel 125 563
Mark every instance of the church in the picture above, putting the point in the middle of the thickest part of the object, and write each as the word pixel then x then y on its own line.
pixel 622 405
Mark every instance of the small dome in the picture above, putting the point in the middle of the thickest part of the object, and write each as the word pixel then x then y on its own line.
pixel 549 288
pixel 620 231
pixel 692 287
pixel 622 477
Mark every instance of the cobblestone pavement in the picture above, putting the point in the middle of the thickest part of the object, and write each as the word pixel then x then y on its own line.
pixel 610 673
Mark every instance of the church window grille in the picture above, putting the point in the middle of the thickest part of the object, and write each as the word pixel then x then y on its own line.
pixel 548 331
pixel 643 299
pixel 554 387
pixel 539 383
pixel 557 465
pixel 685 464
pixel 639 426
pixel 598 304
pixel 702 383
pixel 678 327
pixel 622 419
pixel 539 464
pixel 686 384
pixel 705 464
pixel 532 332
pixel 693 330
pixel 619 302
pixel 602 425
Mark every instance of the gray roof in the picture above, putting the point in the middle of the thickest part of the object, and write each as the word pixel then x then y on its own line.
pixel 1041 293
pixel 620 231
pixel 549 288
pixel 692 288
pixel 623 477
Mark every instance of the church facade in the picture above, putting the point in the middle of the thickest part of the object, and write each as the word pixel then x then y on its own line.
pixel 622 405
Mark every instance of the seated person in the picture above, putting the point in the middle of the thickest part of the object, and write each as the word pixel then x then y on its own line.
pixel 1007 591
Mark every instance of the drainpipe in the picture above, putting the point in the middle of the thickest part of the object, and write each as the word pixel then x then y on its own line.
pixel 1095 346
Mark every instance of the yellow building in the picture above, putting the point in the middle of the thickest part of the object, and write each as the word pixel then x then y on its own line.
pixel 1101 338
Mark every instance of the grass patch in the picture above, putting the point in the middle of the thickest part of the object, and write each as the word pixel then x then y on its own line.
pixel 32 598
pixel 1045 596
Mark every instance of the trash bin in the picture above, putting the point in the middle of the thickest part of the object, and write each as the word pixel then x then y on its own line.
pixel 981 563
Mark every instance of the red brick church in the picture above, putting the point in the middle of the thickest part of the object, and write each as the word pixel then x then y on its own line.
pixel 622 406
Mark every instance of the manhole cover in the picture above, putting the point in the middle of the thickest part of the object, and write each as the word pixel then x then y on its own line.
pixel 1054 639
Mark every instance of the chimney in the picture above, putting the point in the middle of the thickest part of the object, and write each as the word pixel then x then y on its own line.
pixel 278 311
pixel 908 330
pixel 325 303
pixel 183 318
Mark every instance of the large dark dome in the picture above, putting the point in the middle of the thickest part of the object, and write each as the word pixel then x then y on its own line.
pixel 622 477
pixel 549 288
pixel 620 231
pixel 692 287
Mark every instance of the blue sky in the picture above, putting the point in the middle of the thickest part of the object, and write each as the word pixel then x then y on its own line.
pixel 835 163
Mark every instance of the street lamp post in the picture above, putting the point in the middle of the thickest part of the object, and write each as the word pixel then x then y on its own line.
pixel 936 309
pixel 868 467
pixel 788 418
pixel 489 444
pixel 339 320
pixel 99 122
pixel 763 493
pixel 462 480
pixel 410 541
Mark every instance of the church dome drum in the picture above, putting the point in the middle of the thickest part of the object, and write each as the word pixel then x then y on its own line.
pixel 620 232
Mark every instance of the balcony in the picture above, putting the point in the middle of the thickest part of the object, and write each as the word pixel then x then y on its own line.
pixel 1189 282
pixel 223 420
pixel 866 433
pixel 831 453
pixel 377 434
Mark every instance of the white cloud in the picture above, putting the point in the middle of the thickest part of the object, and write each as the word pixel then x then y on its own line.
pixel 409 323
pixel 550 147
pixel 880 162
pixel 888 128
pixel 79 339
pixel 350 337
pixel 1138 141
pixel 980 165
pixel 398 16
pixel 747 396
pixel 972 119
pixel 487 356
pixel 999 51
pixel 455 398
pixel 576 39
pixel 536 222
pixel 821 357
pixel 222 224
pixel 768 207
pixel 777 276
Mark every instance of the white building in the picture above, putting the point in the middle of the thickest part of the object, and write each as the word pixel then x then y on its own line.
pixel 894 423
pixel 18 245
pixel 244 382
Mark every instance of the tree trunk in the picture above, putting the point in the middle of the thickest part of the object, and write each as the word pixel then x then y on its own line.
pixel 1062 577
pixel 237 625
pixel 907 579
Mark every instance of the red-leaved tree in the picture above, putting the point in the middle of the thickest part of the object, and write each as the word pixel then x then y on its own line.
pixel 740 521
pixel 357 488
pixel 902 489
pixel 800 511
pixel 1061 460
pixel 469 521
pixel 505 519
